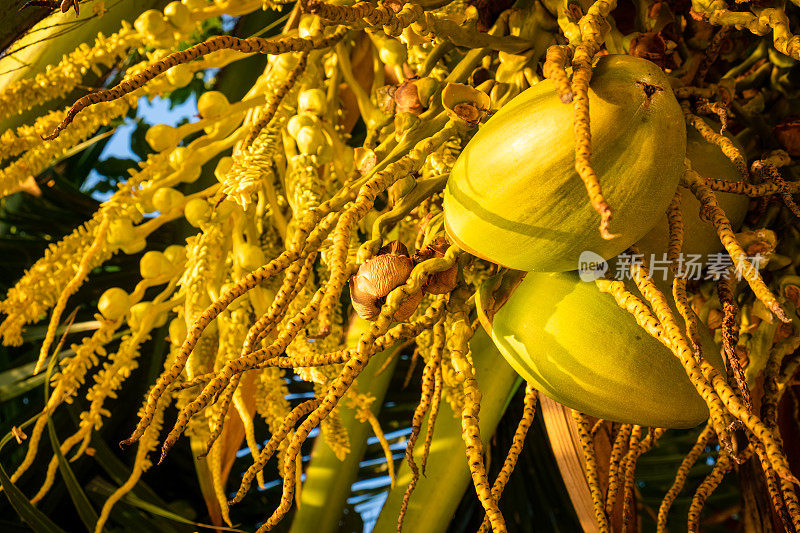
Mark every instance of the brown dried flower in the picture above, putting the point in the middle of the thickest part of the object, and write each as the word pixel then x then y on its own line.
pixel 650 46
pixel 440 282
pixel 787 132
pixel 378 277
pixel 406 98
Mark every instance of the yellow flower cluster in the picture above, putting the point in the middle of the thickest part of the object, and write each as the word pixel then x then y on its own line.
pixel 47 278
pixel 252 168
pixel 759 21
pixel 58 80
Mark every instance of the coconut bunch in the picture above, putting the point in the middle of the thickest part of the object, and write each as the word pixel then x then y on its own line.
pixel 542 184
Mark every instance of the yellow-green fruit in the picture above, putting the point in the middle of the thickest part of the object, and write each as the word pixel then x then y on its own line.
pixel 515 198
pixel 699 236
pixel 155 264
pixel 579 348
pixel 197 212
pixel 165 199
pixel 114 303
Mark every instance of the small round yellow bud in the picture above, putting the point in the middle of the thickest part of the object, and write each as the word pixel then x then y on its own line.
pixel 140 311
pixel 154 264
pixel 177 331
pixel 310 140
pixel 223 167
pixel 178 157
pixel 151 23
pixel 162 137
pixel 180 75
pixel 212 104
pixel 165 199
pixel 197 212
pixel 393 52
pixel 176 254
pixel 297 122
pixel 114 304
pixel 134 247
pixel 249 257
pixel 312 101
pixel 179 16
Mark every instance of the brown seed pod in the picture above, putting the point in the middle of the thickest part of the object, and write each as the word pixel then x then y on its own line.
pixel 378 277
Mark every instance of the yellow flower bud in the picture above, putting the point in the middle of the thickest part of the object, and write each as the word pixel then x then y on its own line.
pixel 393 52
pixel 297 122
pixel 226 208
pixel 310 140
pixel 180 75
pixel 197 212
pixel 154 264
pixel 189 173
pixel 135 246
pixel 151 23
pixel 176 254
pixel 114 303
pixel 179 16
pixel 178 157
pixel 140 311
pixel 312 101
pixel 223 167
pixel 249 257
pixel 212 104
pixel 177 331
pixel 162 137
pixel 165 199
